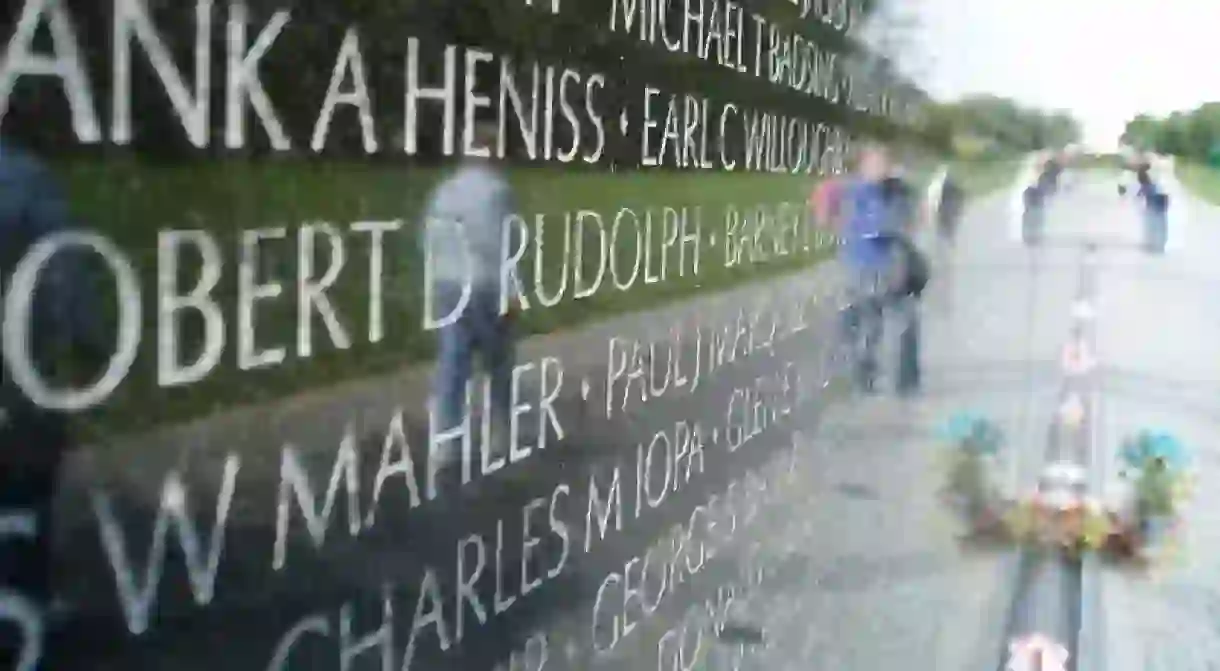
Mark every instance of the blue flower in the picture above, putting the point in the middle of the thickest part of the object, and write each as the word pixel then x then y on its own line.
pixel 973 432
pixel 959 427
pixel 1168 448
pixel 1149 444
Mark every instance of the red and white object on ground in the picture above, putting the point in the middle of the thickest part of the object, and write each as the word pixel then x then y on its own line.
pixel 1036 652
pixel 1082 310
pixel 1061 486
pixel 1072 411
pixel 1077 358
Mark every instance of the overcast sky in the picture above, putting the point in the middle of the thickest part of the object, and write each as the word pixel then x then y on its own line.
pixel 1102 60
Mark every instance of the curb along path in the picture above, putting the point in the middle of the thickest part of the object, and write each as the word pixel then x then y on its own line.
pixel 1047 629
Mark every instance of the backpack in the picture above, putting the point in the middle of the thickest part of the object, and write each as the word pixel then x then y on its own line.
pixel 900 200
pixel 911 267
pixel 913 270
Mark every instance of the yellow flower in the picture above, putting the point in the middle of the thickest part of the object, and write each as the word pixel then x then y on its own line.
pixel 1022 520
pixel 1096 531
pixel 1184 487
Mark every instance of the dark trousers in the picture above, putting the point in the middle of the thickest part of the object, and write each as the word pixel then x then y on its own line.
pixel 1033 219
pixel 32 447
pixel 480 330
pixel 1156 222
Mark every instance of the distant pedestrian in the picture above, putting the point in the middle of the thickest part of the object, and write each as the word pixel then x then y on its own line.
pixel 949 207
pixel 1154 204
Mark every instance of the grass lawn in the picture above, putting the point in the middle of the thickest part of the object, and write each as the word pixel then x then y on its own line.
pixel 982 177
pixel 1103 163
pixel 1200 180
pixel 130 202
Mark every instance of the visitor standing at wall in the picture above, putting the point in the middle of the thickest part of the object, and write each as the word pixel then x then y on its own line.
pixel 911 271
pixel 64 328
pixel 469 231
pixel 869 221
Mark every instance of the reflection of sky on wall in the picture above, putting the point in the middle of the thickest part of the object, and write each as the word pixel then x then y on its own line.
pixel 1105 60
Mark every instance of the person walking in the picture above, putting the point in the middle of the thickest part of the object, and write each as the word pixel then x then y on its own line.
pixel 64 329
pixel 949 206
pixel 946 201
pixel 1155 210
pixel 469 232
pixel 871 215
pixel 1033 212
pixel 911 270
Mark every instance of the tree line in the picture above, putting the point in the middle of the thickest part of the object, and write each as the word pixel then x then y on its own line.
pixel 1189 134
pixel 987 124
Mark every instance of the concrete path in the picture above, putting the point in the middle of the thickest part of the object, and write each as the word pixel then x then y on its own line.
pixel 1159 322
pixel 994 330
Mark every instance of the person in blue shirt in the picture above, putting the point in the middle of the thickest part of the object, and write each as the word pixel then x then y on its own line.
pixel 34 440
pixel 873 217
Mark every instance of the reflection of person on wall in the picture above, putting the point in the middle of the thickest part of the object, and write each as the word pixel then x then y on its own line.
pixel 34 440
pixel 907 212
pixel 868 220
pixel 469 232
pixel 1048 180
pixel 944 204
pixel 949 204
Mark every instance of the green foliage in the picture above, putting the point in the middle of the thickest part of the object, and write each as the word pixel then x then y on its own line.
pixel 990 124
pixel 1110 162
pixel 1201 180
pixel 1191 134
pixel 1155 492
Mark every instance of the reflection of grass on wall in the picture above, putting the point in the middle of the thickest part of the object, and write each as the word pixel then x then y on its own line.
pixel 131 202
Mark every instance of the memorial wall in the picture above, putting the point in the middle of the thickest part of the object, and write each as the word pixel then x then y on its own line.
pixel 256 478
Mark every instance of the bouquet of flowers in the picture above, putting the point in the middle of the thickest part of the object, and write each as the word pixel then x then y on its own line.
pixel 1085 527
pixel 1025 520
pixel 1156 461
pixel 1147 445
pixel 1077 527
pixel 1096 527
pixel 973 440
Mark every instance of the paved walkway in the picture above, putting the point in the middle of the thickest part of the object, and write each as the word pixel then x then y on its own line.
pixel 915 599
pixel 1158 324
pixel 873 507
